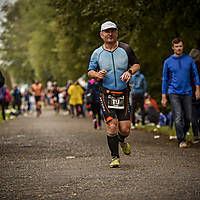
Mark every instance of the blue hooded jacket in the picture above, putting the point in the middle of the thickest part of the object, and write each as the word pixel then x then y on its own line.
pixel 177 73
pixel 138 83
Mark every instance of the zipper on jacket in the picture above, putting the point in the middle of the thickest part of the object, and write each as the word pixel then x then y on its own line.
pixel 114 70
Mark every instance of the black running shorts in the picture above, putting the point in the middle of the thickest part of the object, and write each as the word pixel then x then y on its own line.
pixel 111 113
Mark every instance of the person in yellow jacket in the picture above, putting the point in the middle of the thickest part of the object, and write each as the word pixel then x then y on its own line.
pixel 76 92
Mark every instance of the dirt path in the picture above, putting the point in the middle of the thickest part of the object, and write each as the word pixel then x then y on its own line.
pixel 57 157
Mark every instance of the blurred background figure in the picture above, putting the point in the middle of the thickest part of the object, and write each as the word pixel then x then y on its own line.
pixel 55 97
pixel 139 86
pixel 37 89
pixel 3 101
pixel 2 80
pixel 152 112
pixel 8 97
pixel 92 102
pixel 195 54
pixel 76 92
pixel 17 99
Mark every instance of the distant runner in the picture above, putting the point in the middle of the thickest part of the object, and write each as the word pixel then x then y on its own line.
pixel 37 88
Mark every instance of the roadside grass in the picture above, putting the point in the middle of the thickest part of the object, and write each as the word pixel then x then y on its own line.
pixel 163 130
pixel 7 113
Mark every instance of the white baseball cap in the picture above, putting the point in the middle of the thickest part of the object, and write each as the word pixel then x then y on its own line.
pixel 108 25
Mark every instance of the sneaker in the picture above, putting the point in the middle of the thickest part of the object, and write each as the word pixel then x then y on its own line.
pixel 183 145
pixel 132 127
pixel 196 140
pixel 126 148
pixel 115 163
pixel 98 127
pixel 172 137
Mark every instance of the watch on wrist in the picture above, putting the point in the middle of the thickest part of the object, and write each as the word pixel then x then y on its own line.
pixel 130 71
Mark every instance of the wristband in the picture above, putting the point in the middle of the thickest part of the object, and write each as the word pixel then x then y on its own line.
pixel 130 71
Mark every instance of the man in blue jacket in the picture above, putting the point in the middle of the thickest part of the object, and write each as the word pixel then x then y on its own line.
pixel 176 79
pixel 139 87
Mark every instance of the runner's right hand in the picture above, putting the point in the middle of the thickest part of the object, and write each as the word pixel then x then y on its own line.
pixel 101 74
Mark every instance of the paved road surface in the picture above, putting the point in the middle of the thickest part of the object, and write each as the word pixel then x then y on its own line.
pixel 57 157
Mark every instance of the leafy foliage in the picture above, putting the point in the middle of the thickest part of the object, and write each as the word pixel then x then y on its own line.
pixel 53 39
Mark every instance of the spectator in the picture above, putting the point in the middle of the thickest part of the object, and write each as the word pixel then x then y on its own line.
pixel 76 99
pixel 3 101
pixel 8 97
pixel 17 99
pixel 92 99
pixel 177 81
pixel 2 80
pixel 27 100
pixel 67 106
pixel 139 86
pixel 151 109
pixel 195 54
pixel 31 100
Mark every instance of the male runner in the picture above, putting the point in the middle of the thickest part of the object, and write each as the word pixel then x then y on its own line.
pixel 114 63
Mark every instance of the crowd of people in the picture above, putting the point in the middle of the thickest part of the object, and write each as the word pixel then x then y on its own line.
pixel 116 93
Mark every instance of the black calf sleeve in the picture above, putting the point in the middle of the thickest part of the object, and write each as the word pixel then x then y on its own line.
pixel 121 137
pixel 113 144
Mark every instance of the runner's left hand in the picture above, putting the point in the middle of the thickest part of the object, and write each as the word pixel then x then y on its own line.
pixel 125 76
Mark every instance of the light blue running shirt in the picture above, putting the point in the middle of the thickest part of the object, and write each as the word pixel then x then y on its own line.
pixel 115 63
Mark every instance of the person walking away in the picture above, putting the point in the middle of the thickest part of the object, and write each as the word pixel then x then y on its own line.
pixel 17 99
pixel 76 92
pixel 195 54
pixel 176 79
pixel 92 99
pixel 139 86
pixel 37 88
pixel 113 64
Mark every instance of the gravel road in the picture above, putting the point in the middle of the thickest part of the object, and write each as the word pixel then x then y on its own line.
pixel 57 157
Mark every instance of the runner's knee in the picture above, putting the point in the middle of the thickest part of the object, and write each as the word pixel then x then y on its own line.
pixel 112 127
pixel 125 130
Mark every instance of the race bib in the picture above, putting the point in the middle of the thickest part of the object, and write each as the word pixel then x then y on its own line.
pixel 116 102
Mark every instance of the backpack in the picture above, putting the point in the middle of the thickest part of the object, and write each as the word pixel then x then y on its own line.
pixel 90 97
pixel 2 80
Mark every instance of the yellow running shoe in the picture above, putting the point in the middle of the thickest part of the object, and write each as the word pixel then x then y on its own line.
pixel 115 163
pixel 126 148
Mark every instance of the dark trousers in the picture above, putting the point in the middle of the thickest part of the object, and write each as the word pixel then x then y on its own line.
pixel 18 104
pixel 79 110
pixel 195 117
pixel 3 105
pixel 182 113
pixel 138 101
pixel 96 110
